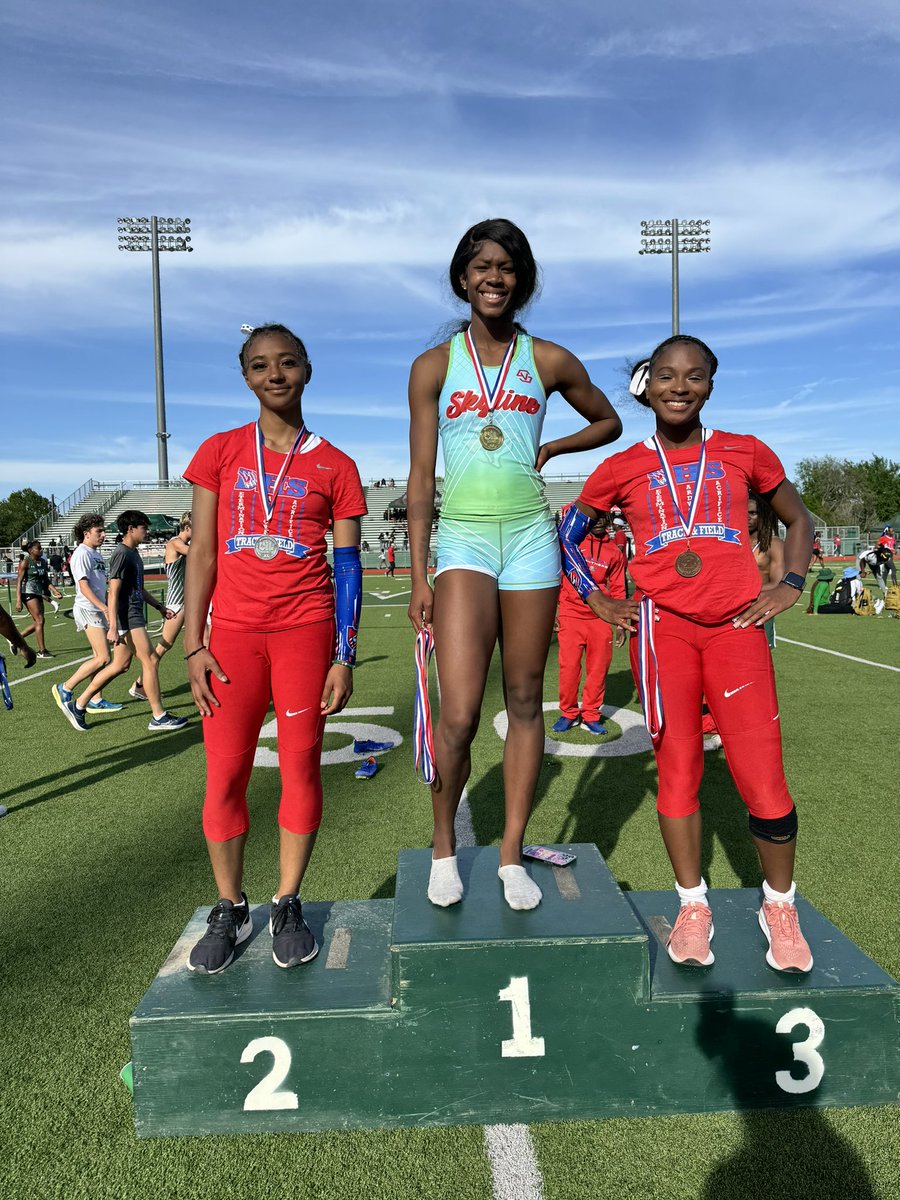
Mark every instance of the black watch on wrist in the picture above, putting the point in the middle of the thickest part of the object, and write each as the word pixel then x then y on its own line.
pixel 792 579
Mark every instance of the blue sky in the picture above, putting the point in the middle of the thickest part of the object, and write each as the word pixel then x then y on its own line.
pixel 330 156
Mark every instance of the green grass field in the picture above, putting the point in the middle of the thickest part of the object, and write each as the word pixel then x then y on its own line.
pixel 103 862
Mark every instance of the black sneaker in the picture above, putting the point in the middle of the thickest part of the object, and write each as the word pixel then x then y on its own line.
pixel 292 939
pixel 73 714
pixel 166 723
pixel 227 926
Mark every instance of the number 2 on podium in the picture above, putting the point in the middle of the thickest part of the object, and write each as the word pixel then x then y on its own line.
pixel 521 1044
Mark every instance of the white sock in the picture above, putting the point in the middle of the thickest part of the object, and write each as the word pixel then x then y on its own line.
pixel 774 897
pixel 694 895
pixel 444 884
pixel 519 889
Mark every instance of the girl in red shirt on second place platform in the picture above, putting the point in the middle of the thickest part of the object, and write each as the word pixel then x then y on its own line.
pixel 700 629
pixel 264 496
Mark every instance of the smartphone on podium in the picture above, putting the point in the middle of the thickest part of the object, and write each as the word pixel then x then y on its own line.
pixel 556 858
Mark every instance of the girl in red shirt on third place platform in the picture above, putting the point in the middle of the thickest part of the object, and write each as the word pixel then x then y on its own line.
pixel 700 629
pixel 264 496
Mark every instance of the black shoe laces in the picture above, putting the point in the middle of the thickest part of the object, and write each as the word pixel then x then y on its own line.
pixel 223 922
pixel 288 915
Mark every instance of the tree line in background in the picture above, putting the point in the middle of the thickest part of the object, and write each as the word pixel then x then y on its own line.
pixel 842 492
pixel 18 512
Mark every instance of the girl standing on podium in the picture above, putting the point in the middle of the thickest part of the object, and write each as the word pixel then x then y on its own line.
pixel 699 632
pixel 283 630
pixel 484 394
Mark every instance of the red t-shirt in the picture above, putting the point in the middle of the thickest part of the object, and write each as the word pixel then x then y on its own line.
pixel 606 563
pixel 391 556
pixel 293 588
pixel 729 578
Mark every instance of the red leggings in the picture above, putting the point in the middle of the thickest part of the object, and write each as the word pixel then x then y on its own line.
pixel 732 670
pixel 590 639
pixel 289 668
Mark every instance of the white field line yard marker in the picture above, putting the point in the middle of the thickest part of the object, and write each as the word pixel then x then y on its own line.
pixel 514 1168
pixel 850 657
pixel 49 671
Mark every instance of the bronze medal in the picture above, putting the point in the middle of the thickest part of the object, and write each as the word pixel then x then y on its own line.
pixel 491 437
pixel 688 564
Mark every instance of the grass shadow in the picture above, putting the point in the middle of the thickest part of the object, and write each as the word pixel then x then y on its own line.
pixel 789 1155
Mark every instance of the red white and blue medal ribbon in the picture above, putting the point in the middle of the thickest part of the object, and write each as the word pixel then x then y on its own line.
pixel 648 669
pixel 491 395
pixel 687 523
pixel 423 732
pixel 269 505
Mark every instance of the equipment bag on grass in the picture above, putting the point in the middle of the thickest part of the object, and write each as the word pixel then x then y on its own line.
pixel 892 599
pixel 863 605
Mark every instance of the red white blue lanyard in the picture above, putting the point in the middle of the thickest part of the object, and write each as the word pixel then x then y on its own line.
pixel 269 505
pixel 491 395
pixel 423 733
pixel 648 669
pixel 687 524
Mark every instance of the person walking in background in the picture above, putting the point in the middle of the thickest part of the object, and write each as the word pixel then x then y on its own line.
pixel 126 597
pixel 32 587
pixel 583 636
pixel 391 557
pixel 90 612
pixel 175 559
pixel 817 550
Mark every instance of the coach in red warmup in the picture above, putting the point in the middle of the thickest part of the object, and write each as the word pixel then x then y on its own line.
pixel 584 635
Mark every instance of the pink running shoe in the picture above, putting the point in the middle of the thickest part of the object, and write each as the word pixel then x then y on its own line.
pixel 788 949
pixel 690 937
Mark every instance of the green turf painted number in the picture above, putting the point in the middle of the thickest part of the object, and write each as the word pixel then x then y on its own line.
pixel 806 1052
pixel 265 1096
pixel 521 1044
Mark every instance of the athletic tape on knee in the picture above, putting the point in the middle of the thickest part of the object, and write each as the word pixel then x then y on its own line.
pixel 347 602
pixel 573 529
pixel 775 829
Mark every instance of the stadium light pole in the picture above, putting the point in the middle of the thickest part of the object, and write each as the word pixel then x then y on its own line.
pixel 674 237
pixel 138 234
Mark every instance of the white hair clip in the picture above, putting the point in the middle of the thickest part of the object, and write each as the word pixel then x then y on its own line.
pixel 247 328
pixel 639 377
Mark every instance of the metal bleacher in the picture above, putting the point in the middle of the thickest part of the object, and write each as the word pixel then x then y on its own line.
pixel 172 499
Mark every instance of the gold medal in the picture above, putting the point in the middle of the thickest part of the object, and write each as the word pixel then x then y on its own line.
pixel 491 437
pixel 688 564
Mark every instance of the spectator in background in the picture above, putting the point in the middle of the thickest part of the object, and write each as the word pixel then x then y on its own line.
pixel 176 556
pixel 89 573
pixel 391 557
pixel 817 550
pixel 837 545
pixel 126 598
pixel 879 560
pixel 584 636
pixel 888 542
pixel 32 586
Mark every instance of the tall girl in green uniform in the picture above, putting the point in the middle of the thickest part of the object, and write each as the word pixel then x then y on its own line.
pixel 484 393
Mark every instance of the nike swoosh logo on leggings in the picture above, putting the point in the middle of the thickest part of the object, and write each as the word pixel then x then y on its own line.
pixel 735 691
